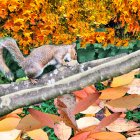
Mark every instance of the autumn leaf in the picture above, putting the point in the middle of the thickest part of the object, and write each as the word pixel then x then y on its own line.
pixel 124 79
pixel 90 89
pixel 134 87
pixel 113 93
pixel 81 136
pixel 38 134
pixel 10 135
pixel 28 123
pixel 93 109
pixel 106 121
pixel 122 125
pixel 68 118
pixel 89 122
pixel 137 137
pixel 128 102
pixel 65 105
pixel 107 136
pixel 13 114
pixel 81 94
pixel 85 103
pixel 9 123
pixel 62 131
pixel 116 109
pixel 44 118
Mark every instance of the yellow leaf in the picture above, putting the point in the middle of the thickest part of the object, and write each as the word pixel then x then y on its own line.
pixel 123 79
pixel 107 112
pixel 9 123
pixel 113 93
pixel 19 20
pixel 38 134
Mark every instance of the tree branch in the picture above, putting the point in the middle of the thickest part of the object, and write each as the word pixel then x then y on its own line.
pixel 101 72
pixel 54 76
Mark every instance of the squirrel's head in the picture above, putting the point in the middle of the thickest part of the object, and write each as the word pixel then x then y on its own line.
pixel 32 70
pixel 73 52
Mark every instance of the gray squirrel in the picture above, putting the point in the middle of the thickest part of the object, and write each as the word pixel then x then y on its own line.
pixel 34 64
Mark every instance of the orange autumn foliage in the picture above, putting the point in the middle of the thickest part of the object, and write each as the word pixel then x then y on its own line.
pixel 34 23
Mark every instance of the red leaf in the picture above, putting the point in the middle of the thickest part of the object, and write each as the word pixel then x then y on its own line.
pixel 90 89
pixel 85 103
pixel 106 121
pixel 80 94
pixel 44 118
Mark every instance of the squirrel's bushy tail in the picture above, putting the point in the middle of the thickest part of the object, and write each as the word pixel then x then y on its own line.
pixel 11 45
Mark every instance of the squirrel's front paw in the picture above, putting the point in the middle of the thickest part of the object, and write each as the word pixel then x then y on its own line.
pixel 66 64
pixel 33 81
pixel 9 75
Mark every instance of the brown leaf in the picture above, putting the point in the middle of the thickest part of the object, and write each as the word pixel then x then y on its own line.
pixel 122 125
pixel 127 102
pixel 29 123
pixel 106 121
pixel 68 118
pixel 114 109
pixel 85 103
pixel 65 104
pixel 66 101
pixel 107 136
pixel 113 93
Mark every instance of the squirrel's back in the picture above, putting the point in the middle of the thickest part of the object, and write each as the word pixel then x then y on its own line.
pixel 39 58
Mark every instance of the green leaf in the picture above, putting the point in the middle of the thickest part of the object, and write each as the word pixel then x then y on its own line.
pixel 97 45
pixel 100 30
pixel 20 73
pixel 21 79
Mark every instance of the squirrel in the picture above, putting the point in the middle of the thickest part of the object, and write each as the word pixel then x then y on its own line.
pixel 34 64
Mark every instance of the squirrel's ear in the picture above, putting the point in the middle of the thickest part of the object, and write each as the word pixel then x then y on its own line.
pixel 74 45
